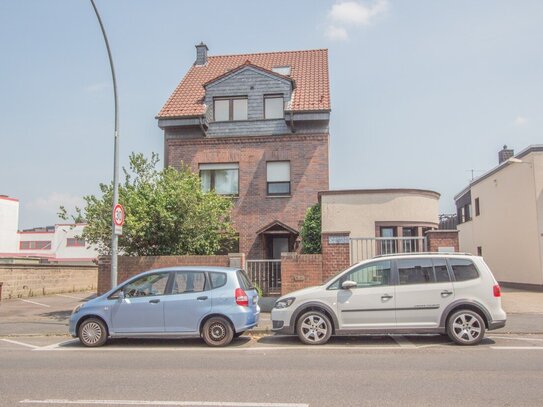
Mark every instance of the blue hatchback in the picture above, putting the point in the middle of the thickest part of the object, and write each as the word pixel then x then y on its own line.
pixel 215 303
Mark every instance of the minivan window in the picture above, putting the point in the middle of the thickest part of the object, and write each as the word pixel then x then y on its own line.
pixel 463 269
pixel 188 282
pixel 244 281
pixel 217 279
pixel 368 275
pixel 415 271
pixel 440 268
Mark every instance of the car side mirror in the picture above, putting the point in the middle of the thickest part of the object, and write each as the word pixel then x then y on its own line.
pixel 347 285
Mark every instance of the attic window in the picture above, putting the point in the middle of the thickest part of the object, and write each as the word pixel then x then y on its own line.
pixel 282 70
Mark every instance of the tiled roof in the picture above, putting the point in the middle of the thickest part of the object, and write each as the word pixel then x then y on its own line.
pixel 309 70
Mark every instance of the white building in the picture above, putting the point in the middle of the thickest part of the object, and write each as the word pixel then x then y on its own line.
pixel 9 218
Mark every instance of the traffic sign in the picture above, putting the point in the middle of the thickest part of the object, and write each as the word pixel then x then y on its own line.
pixel 118 215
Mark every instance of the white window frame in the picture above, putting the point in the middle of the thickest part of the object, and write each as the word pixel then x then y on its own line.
pixel 276 175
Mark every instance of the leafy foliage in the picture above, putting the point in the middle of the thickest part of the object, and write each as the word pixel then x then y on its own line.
pixel 167 213
pixel 311 230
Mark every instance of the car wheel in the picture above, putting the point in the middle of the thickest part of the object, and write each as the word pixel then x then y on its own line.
pixel 217 331
pixel 238 334
pixel 92 332
pixel 466 327
pixel 314 328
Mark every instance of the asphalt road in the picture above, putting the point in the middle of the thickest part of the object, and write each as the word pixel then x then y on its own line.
pixel 273 372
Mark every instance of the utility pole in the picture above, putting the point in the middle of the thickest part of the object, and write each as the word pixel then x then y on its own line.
pixel 114 237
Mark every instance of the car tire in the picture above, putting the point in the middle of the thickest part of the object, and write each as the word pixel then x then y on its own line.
pixel 314 328
pixel 466 327
pixel 217 331
pixel 92 332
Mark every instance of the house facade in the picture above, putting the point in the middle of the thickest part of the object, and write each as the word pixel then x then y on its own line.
pixel 500 217
pixel 256 129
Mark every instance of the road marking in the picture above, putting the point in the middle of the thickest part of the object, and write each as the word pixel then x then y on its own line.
pixel 514 338
pixel 517 347
pixel 34 302
pixel 20 343
pixel 71 296
pixel 163 403
pixel 403 341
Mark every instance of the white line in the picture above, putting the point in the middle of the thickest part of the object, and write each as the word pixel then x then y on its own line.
pixel 70 296
pixel 56 345
pixel 517 347
pixel 403 341
pixel 20 343
pixel 34 302
pixel 514 338
pixel 162 403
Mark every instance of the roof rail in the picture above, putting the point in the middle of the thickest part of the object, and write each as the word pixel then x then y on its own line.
pixel 424 253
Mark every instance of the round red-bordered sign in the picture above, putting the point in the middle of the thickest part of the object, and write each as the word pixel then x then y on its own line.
pixel 118 215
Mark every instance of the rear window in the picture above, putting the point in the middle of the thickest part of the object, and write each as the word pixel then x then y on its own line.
pixel 217 279
pixel 244 281
pixel 463 269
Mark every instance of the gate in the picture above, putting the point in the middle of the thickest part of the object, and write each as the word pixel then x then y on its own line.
pixel 362 248
pixel 266 274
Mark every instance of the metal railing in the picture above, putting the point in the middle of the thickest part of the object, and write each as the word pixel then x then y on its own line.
pixel 362 248
pixel 266 274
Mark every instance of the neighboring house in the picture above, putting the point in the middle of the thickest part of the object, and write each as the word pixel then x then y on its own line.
pixel 255 127
pixel 58 243
pixel 500 217
pixel 380 221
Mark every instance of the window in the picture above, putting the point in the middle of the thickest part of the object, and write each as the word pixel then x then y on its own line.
pixel 147 286
pixel 477 207
pixel 228 109
pixel 479 251
pixel 189 282
pixel 75 242
pixel 388 246
pixel 273 107
pixel 35 245
pixel 278 177
pixel 416 271
pixel 369 275
pixel 244 280
pixel 221 178
pixel 217 279
pixel 282 70
pixel 442 273
pixel 463 269
pixel 409 246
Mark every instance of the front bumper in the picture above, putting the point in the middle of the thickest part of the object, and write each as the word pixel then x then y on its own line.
pixel 73 325
pixel 281 321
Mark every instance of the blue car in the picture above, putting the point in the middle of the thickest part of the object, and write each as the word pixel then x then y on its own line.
pixel 215 303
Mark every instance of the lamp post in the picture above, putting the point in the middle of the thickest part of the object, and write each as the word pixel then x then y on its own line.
pixel 114 237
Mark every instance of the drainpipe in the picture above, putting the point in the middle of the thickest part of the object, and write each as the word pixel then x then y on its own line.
pixel 202 126
pixel 292 129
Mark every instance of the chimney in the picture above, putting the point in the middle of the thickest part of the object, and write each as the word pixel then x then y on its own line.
pixel 201 54
pixel 505 154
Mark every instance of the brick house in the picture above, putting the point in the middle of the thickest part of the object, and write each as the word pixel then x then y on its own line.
pixel 256 128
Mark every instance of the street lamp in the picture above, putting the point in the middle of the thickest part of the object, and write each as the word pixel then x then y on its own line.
pixel 115 155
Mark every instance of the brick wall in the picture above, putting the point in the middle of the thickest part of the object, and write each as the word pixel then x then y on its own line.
pixel 30 280
pixel 442 238
pixel 299 271
pixel 253 209
pixel 130 266
pixel 335 253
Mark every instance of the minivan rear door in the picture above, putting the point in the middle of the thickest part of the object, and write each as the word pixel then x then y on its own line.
pixel 423 292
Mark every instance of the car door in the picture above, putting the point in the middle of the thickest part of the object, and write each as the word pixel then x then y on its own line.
pixel 142 308
pixel 424 290
pixel 189 302
pixel 371 304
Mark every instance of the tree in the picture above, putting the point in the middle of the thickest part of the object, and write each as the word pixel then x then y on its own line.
pixel 167 213
pixel 311 230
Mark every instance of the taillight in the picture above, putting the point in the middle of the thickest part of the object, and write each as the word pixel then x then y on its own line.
pixel 497 291
pixel 241 298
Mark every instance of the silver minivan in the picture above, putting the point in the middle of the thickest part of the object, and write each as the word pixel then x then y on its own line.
pixel 453 294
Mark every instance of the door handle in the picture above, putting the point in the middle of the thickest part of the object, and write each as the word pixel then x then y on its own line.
pixel 446 293
pixel 202 298
pixel 154 301
pixel 386 297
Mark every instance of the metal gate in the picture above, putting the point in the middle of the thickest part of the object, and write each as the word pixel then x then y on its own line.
pixel 362 248
pixel 266 274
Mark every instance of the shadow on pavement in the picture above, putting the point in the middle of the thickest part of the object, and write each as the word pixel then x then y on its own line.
pixel 155 343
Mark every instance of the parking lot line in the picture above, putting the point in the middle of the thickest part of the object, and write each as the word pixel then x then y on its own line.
pixel 34 302
pixel 70 296
pixel 162 403
pixel 403 341
pixel 20 343
pixel 517 347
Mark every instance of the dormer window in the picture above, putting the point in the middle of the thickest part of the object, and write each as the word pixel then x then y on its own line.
pixel 230 108
pixel 274 107
pixel 282 70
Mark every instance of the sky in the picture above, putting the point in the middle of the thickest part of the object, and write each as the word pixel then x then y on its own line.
pixel 422 91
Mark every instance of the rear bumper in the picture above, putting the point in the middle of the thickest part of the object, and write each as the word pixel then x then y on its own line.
pixel 496 324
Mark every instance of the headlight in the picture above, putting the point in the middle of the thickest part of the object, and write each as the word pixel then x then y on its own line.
pixel 284 303
pixel 76 309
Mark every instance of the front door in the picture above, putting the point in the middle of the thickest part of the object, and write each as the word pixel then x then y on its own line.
pixel 424 291
pixel 279 245
pixel 371 304
pixel 142 309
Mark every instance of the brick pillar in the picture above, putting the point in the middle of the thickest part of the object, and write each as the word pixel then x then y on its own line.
pixel 104 274
pixel 442 239
pixel 335 253
pixel 236 260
